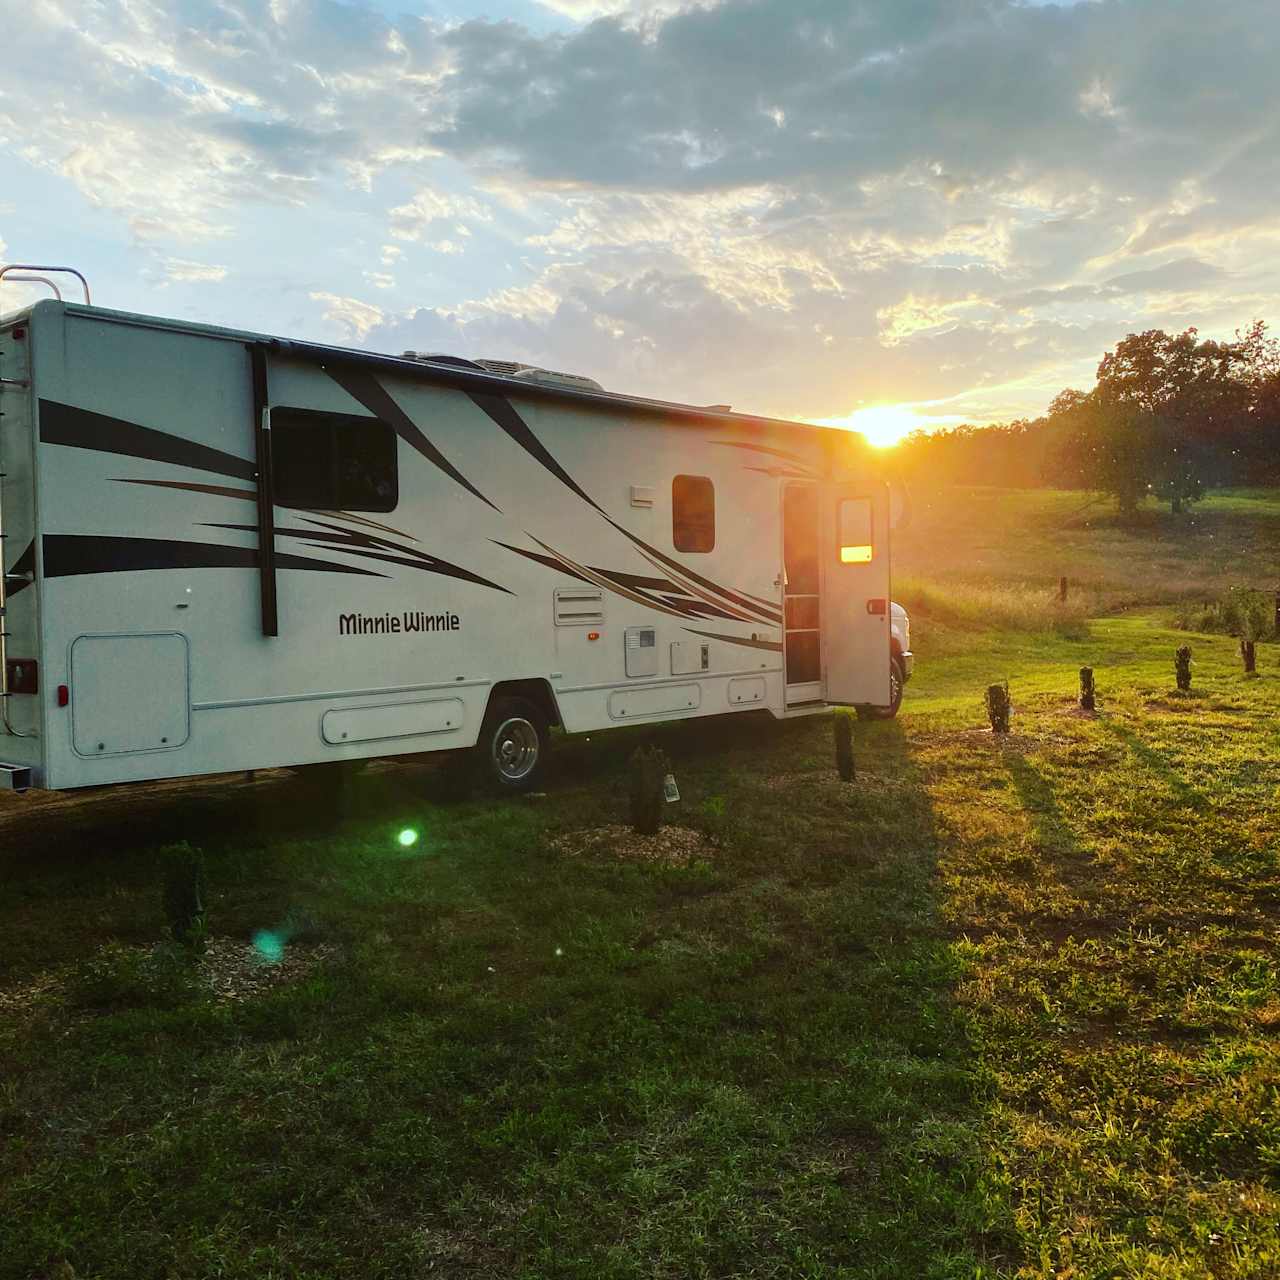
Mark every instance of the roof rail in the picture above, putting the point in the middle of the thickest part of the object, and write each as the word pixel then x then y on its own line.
pixel 31 266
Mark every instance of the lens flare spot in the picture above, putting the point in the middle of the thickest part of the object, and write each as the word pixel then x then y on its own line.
pixel 269 946
pixel 407 838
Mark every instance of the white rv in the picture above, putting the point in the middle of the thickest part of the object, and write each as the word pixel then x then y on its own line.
pixel 225 551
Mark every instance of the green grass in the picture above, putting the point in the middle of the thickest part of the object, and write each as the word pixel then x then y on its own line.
pixel 999 1009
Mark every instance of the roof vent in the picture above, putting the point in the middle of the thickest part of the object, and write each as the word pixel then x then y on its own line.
pixel 550 378
pixel 505 368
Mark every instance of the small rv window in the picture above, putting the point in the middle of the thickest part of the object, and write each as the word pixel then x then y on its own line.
pixel 855 531
pixel 333 461
pixel 693 513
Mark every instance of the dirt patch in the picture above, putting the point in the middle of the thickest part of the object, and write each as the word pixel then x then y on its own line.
pixel 235 970
pixel 229 969
pixel 672 846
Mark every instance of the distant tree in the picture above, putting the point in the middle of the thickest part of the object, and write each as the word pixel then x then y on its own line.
pixel 1189 398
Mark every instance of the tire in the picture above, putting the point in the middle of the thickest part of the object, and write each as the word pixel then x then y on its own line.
pixel 897 683
pixel 514 743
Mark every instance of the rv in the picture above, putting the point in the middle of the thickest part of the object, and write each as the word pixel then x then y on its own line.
pixel 224 551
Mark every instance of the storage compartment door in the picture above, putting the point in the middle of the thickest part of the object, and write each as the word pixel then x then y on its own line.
pixel 855 591
pixel 130 693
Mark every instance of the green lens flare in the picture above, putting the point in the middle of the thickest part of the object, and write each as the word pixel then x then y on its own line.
pixel 269 946
pixel 408 837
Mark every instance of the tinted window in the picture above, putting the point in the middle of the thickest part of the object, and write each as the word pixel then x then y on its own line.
pixel 333 461
pixel 693 513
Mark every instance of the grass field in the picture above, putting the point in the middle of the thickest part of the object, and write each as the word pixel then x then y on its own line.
pixel 999 1009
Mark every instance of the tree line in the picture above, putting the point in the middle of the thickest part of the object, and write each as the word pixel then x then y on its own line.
pixel 1171 416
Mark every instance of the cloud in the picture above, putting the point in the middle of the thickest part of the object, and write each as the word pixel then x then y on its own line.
pixel 183 271
pixel 796 205
pixel 428 208
pixel 355 319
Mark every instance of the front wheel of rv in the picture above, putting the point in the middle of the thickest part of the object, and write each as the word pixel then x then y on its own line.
pixel 513 744
pixel 897 683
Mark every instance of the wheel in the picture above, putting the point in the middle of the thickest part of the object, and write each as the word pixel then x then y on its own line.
pixel 897 682
pixel 513 745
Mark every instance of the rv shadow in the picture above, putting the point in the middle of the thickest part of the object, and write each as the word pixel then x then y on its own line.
pixel 519 1057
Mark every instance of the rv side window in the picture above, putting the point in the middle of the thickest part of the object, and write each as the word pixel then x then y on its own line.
pixel 333 461
pixel 693 513
pixel 854 527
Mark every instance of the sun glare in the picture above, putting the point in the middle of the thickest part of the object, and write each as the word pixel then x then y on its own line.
pixel 884 425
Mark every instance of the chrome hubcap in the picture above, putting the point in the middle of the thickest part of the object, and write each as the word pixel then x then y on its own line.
pixel 515 749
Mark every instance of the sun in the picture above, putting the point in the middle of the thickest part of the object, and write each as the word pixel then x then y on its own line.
pixel 883 425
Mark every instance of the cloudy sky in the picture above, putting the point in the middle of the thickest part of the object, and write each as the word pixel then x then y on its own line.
pixel 801 207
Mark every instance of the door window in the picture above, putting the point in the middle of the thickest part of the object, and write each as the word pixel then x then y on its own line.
pixel 853 523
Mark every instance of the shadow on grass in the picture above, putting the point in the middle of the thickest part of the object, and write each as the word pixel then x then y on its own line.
pixel 1040 801
pixel 1156 761
pixel 552 1066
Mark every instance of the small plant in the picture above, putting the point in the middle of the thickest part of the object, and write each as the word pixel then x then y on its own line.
pixel 1240 611
pixel 999 707
pixel 845 766
pixel 649 768
pixel 1182 667
pixel 183 894
pixel 1088 691
pixel 1249 656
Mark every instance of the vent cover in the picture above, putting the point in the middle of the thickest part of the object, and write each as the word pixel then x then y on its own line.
pixel 642 651
pixel 579 607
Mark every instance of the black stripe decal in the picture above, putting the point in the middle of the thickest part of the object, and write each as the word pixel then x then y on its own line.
pixel 550 561
pixel 81 429
pixel 764 448
pixel 427 565
pixel 638 581
pixel 327 538
pixel 25 564
pixel 504 414
pixel 68 555
pixel 365 388
pixel 769 615
pixel 772 645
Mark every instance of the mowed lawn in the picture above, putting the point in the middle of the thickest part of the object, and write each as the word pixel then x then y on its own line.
pixel 993 1009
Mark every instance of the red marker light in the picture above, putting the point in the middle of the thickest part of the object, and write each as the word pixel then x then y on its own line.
pixel 64 695
pixel 593 635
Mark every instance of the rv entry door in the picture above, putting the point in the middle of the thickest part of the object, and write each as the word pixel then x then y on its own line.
pixel 855 590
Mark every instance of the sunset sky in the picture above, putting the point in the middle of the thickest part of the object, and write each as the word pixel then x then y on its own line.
pixel 800 207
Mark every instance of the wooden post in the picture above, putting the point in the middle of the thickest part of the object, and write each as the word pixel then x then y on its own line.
pixel 998 707
pixel 1087 689
pixel 1249 656
pixel 1062 590
pixel 1182 667
pixel 843 722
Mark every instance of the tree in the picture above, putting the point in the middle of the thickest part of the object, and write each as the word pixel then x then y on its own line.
pixel 1192 397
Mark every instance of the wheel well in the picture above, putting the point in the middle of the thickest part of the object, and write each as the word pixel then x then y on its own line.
pixel 536 691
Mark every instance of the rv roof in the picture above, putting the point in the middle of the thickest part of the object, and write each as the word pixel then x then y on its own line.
pixel 447 370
